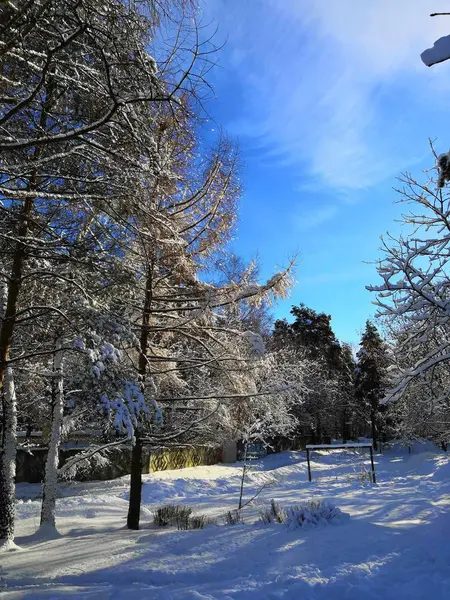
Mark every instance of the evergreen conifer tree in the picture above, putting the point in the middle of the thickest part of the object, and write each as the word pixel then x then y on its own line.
pixel 371 376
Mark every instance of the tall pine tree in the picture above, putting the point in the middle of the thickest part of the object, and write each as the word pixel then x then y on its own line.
pixel 311 332
pixel 329 405
pixel 371 376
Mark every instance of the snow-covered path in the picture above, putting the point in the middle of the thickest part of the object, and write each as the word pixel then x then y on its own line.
pixel 395 546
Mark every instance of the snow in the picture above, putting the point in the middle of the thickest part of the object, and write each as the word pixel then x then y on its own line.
pixel 310 514
pixel 438 53
pixel 256 342
pixel 394 545
pixel 338 446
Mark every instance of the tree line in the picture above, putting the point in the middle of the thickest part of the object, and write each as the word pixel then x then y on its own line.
pixel 343 389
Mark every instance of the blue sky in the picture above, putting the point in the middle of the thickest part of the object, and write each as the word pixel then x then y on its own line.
pixel 329 101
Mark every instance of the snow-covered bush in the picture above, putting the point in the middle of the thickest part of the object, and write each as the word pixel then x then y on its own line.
pixel 183 517
pixel 362 475
pixel 179 516
pixel 233 517
pixel 312 513
pixel 196 522
pixel 171 514
pixel 272 514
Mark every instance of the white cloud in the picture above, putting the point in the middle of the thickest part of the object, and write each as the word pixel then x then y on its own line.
pixel 316 217
pixel 317 78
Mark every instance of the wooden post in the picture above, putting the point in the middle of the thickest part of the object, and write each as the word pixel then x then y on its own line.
pixel 309 465
pixel 374 479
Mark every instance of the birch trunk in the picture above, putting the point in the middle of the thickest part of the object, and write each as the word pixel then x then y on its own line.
pixel 51 466
pixel 8 462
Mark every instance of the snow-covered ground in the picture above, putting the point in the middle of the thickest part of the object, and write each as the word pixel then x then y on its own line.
pixel 394 546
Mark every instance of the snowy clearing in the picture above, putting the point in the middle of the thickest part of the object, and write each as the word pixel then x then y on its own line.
pixel 394 546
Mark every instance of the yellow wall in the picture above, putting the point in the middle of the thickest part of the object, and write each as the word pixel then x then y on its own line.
pixel 180 458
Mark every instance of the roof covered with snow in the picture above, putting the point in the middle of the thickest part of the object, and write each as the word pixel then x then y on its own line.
pixel 438 53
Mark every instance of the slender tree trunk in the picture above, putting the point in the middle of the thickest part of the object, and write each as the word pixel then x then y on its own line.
pixel 373 422
pixel 344 427
pixel 134 509
pixel 14 287
pixel 9 320
pixel 134 506
pixel 244 471
pixel 51 466
pixel 8 462
pixel 7 387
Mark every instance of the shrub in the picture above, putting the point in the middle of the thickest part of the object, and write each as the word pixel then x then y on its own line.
pixel 311 513
pixel 171 514
pixel 179 516
pixel 197 522
pixel 182 517
pixel 273 514
pixel 233 517
pixel 363 475
pixel 165 515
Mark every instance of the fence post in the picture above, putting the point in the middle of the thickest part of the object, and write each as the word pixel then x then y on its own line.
pixel 309 465
pixel 374 479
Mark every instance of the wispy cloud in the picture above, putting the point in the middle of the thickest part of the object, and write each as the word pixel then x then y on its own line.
pixel 317 79
pixel 313 218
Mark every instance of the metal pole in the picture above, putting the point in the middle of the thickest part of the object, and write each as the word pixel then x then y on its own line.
pixel 374 479
pixel 244 470
pixel 309 464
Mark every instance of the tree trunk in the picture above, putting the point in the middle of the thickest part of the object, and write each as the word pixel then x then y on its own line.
pixel 51 466
pixel 319 430
pixel 244 470
pixel 134 507
pixel 8 403
pixel 8 462
pixel 8 328
pixel 344 427
pixel 15 284
pixel 373 423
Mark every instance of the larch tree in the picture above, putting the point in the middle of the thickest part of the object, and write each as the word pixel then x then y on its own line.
pixel 226 267
pixel 110 209
pixel 73 78
pixel 192 217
